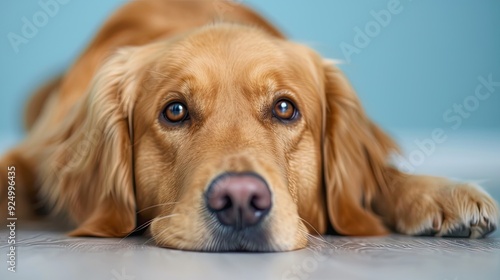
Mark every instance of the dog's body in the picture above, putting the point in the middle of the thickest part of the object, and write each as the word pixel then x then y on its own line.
pixel 226 136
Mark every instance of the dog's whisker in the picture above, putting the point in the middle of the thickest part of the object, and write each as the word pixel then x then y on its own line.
pixel 313 239
pixel 319 236
pixel 159 234
pixel 149 240
pixel 157 205
pixel 309 224
pixel 146 224
pixel 167 216
pixel 322 241
pixel 137 229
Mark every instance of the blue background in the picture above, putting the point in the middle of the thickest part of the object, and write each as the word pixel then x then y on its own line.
pixel 425 60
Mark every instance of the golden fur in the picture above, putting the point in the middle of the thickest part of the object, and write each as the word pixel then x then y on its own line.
pixel 98 151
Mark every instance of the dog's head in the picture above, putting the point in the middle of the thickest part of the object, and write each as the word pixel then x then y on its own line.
pixel 226 138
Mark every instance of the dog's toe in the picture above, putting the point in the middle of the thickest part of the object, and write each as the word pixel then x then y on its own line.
pixel 460 211
pixel 482 229
pixel 460 231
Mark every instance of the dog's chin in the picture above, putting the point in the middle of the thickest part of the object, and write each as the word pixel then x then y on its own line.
pixel 223 239
pixel 235 242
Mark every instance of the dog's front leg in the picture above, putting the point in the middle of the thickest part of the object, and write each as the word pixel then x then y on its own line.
pixel 17 186
pixel 425 205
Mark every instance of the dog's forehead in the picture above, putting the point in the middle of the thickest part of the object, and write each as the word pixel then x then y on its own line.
pixel 219 58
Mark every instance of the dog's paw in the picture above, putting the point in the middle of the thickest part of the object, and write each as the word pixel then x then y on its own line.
pixel 462 210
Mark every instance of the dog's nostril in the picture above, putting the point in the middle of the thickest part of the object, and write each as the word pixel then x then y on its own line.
pixel 227 203
pixel 253 203
pixel 239 200
pixel 259 203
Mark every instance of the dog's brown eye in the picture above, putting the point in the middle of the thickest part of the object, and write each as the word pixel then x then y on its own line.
pixel 175 112
pixel 284 110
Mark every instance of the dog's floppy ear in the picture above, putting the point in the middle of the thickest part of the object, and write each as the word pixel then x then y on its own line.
pixel 90 173
pixel 354 159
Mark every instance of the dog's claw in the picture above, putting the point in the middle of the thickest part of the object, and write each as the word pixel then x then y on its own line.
pixel 436 224
pixel 462 231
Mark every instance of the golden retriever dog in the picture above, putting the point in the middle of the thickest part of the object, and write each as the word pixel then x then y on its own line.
pixel 214 130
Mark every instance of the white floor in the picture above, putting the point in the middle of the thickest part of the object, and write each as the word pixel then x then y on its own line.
pixel 44 252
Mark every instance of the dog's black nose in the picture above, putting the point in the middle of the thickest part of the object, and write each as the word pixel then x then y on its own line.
pixel 239 200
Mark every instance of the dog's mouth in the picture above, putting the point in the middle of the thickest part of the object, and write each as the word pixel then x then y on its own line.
pixel 217 237
pixel 235 212
pixel 255 239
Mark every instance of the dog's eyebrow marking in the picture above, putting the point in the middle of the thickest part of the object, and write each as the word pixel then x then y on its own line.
pixel 182 85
